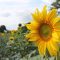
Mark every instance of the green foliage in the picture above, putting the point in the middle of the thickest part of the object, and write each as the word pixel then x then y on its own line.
pixel 56 4
pixel 14 42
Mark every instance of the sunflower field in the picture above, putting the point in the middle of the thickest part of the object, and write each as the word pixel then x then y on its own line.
pixel 39 39
pixel 14 46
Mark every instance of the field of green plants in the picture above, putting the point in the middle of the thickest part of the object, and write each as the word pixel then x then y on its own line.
pixel 14 45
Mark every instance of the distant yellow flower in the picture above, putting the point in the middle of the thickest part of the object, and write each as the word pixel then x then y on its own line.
pixel 43 31
pixel 13 31
pixel 11 38
pixel 2 34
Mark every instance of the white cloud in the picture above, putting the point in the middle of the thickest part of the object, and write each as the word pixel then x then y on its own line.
pixel 20 1
pixel 12 21
pixel 48 1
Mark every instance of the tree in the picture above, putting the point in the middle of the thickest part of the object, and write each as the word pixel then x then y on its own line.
pixel 2 28
pixel 56 4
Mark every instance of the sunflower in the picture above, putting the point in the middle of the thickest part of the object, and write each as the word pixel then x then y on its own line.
pixel 13 31
pixel 11 38
pixel 43 31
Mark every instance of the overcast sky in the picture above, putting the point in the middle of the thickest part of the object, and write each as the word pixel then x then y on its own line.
pixel 13 12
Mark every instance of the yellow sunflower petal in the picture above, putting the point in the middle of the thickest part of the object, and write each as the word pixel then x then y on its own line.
pixel 52 48
pixel 55 44
pixel 57 26
pixel 52 14
pixel 38 41
pixel 55 37
pixel 32 36
pixel 44 12
pixel 37 16
pixel 58 32
pixel 34 25
pixel 42 47
pixel 56 21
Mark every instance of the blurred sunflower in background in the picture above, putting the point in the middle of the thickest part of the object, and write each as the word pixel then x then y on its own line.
pixel 13 32
pixel 11 41
pixel 2 34
pixel 11 38
pixel 44 31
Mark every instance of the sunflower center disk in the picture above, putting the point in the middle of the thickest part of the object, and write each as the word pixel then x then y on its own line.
pixel 45 31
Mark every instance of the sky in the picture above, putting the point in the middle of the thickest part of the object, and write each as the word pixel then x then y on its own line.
pixel 13 12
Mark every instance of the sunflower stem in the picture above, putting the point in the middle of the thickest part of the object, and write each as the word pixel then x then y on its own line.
pixel 56 57
pixel 46 57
